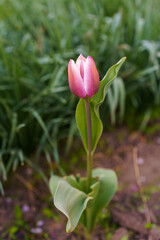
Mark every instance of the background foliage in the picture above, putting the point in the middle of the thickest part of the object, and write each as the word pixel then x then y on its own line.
pixel 37 38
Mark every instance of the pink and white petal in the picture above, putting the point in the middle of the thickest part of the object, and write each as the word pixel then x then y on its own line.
pixel 91 77
pixel 80 58
pixel 82 69
pixel 75 80
pixel 80 64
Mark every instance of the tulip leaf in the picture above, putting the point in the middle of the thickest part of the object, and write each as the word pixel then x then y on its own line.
pixel 95 102
pixel 97 126
pixel 71 202
pixel 53 182
pixel 108 79
pixel 102 192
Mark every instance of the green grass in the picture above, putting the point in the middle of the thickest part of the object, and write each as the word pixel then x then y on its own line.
pixel 37 38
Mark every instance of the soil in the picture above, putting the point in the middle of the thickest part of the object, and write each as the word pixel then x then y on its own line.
pixel 27 211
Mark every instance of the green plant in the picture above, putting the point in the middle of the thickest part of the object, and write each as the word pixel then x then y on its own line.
pixel 83 198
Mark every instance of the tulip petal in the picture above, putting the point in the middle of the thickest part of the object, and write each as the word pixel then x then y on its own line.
pixel 91 77
pixel 81 58
pixel 76 83
pixel 80 64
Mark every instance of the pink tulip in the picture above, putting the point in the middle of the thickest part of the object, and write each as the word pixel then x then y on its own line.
pixel 83 77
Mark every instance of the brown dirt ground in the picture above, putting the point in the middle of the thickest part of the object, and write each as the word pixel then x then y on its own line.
pixel 128 211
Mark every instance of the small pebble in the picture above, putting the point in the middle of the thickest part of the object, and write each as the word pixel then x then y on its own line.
pixel 25 208
pixel 36 230
pixel 8 200
pixel 40 223
pixel 140 161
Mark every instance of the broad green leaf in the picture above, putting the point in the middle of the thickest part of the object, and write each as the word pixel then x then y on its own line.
pixel 71 202
pixel 53 182
pixel 97 126
pixel 95 102
pixel 102 192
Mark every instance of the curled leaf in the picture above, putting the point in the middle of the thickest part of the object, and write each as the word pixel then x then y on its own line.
pixel 71 202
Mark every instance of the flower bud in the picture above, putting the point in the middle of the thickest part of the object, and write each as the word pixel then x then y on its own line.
pixel 83 77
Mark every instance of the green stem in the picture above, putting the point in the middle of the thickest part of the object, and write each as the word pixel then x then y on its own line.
pixel 89 133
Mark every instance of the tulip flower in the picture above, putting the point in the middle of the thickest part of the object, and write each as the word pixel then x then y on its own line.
pixel 83 77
